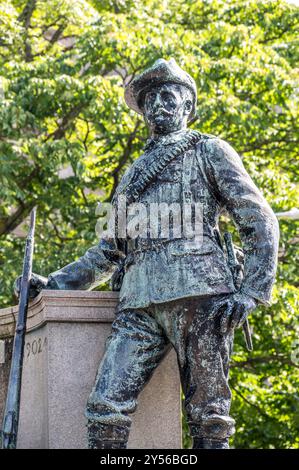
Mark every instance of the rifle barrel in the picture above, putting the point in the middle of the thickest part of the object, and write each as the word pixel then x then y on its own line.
pixel 12 408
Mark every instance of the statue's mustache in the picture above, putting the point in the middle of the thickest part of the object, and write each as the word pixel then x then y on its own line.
pixel 162 111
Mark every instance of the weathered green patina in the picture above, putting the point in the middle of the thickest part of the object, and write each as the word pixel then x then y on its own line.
pixel 171 292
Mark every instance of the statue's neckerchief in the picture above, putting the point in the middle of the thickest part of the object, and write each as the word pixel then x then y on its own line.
pixel 158 154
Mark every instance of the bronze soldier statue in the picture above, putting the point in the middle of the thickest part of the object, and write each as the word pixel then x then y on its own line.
pixel 173 293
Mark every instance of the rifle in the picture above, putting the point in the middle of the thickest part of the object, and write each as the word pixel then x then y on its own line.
pixel 235 269
pixel 12 408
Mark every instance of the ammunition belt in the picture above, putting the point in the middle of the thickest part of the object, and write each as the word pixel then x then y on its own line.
pixel 146 170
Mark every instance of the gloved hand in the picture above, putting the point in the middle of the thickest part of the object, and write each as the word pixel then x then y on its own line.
pixel 37 283
pixel 234 310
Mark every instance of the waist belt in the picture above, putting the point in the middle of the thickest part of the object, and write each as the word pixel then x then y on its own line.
pixel 138 245
pixel 148 244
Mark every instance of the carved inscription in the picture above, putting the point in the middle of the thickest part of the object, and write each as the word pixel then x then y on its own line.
pixel 34 347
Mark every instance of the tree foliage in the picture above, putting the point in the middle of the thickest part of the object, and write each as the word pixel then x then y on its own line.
pixel 66 137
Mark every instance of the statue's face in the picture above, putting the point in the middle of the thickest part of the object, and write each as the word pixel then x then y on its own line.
pixel 166 108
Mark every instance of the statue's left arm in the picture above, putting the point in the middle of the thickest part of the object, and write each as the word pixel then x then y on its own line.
pixel 255 220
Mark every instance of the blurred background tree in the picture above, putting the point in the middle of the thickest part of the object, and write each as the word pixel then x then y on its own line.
pixel 66 137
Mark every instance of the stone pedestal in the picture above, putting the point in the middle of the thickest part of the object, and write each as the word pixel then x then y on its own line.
pixel 65 340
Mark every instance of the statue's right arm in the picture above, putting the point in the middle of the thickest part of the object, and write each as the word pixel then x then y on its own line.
pixel 96 266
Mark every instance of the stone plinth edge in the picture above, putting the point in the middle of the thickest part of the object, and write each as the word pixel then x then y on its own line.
pixel 62 306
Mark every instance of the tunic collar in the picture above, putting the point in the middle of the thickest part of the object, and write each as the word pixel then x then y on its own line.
pixel 167 139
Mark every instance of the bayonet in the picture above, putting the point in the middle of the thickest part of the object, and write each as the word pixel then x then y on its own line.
pixel 235 269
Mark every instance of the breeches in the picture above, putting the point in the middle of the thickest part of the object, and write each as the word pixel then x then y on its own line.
pixel 138 342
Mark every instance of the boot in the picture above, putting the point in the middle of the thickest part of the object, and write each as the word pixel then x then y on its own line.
pixel 212 432
pixel 107 436
pixel 204 443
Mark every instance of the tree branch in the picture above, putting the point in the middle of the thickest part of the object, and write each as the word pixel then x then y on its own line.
pixel 66 121
pixel 58 235
pixel 123 159
pixel 25 18
pixel 261 412
pixel 11 222
pixel 287 29
pixel 251 361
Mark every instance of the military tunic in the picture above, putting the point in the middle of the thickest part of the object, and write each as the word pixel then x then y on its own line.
pixel 169 271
